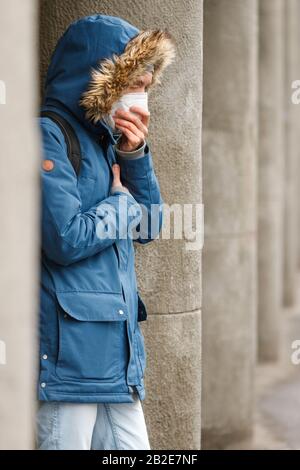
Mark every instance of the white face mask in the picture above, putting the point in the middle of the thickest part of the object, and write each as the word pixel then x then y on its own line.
pixel 125 102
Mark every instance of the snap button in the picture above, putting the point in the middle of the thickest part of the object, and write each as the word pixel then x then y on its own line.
pixel 43 385
pixel 121 312
pixel 45 356
pixel 65 315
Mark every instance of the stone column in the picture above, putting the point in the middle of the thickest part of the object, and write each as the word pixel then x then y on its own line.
pixel 230 189
pixel 292 188
pixel 19 198
pixel 168 274
pixel 291 210
pixel 271 177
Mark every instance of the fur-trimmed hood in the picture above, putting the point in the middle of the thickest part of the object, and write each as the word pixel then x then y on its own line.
pixel 113 76
pixel 97 58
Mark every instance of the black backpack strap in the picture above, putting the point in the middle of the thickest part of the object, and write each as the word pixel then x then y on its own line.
pixel 73 145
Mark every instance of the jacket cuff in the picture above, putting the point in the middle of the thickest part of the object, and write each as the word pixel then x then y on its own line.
pixel 137 153
pixel 132 168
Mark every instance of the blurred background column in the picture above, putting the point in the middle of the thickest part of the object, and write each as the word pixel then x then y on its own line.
pixel 19 202
pixel 271 177
pixel 291 210
pixel 230 191
pixel 291 242
pixel 168 273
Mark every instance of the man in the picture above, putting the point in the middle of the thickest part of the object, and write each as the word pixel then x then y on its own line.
pixel 92 355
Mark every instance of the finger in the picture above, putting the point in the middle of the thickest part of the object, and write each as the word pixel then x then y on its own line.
pixel 116 173
pixel 144 115
pixel 132 118
pixel 131 137
pixel 132 127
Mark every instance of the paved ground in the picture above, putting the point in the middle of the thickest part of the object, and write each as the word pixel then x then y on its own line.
pixel 277 403
pixel 277 411
pixel 280 411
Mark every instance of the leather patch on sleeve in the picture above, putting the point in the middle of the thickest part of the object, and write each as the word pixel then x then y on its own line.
pixel 48 165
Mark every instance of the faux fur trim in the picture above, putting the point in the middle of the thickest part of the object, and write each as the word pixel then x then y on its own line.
pixel 114 75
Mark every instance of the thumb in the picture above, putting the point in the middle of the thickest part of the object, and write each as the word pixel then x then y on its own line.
pixel 116 173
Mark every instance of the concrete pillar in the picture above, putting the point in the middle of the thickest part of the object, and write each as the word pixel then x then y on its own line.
pixel 19 247
pixel 168 274
pixel 298 110
pixel 230 189
pixel 271 177
pixel 291 210
pixel 292 188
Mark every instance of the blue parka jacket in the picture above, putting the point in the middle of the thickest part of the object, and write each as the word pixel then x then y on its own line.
pixel 91 348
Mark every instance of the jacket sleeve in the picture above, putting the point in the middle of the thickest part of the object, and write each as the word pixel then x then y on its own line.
pixel 68 234
pixel 139 152
pixel 138 175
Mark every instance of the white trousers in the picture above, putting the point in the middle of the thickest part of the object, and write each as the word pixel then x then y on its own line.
pixel 91 426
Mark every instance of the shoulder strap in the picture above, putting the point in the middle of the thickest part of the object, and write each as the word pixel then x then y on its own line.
pixel 73 145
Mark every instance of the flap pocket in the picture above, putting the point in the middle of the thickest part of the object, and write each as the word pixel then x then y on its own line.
pixel 93 306
pixel 93 341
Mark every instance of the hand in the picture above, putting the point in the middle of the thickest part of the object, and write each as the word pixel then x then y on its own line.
pixel 116 184
pixel 134 129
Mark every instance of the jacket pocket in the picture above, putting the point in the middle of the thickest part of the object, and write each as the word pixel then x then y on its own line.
pixel 92 336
